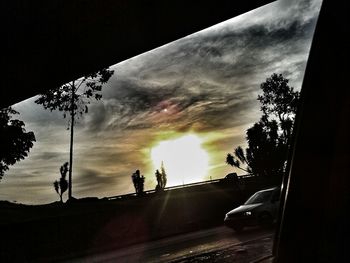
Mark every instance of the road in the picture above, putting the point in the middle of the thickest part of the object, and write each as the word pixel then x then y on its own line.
pixel 174 248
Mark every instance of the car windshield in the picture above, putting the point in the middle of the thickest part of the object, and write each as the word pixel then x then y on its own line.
pixel 259 197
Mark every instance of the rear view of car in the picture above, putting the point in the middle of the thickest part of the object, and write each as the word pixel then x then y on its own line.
pixel 260 209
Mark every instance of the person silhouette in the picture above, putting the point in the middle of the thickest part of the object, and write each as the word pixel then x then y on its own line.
pixel 159 180
pixel 135 179
pixel 138 182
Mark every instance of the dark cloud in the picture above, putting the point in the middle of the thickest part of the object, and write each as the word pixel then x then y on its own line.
pixel 47 156
pixel 137 107
pixel 105 156
pixel 92 179
pixel 207 76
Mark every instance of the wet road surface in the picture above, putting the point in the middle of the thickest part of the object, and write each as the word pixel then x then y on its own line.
pixel 179 247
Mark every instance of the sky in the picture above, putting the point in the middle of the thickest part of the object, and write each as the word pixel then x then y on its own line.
pixel 187 103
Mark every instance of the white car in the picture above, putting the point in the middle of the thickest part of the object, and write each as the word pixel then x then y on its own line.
pixel 260 209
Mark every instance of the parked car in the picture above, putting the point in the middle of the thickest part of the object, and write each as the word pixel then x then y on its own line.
pixel 260 209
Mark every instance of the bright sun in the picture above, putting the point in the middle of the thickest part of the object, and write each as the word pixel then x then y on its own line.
pixel 185 160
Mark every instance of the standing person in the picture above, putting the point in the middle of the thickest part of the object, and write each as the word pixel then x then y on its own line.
pixel 139 182
pixel 135 179
pixel 138 178
pixel 159 180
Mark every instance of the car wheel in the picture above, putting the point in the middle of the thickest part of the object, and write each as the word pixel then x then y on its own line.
pixel 238 228
pixel 265 220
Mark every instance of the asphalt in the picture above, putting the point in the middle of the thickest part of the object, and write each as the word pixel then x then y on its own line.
pixel 254 251
pixel 219 244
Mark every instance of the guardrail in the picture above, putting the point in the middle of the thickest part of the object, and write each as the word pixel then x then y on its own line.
pixel 165 189
pixel 244 179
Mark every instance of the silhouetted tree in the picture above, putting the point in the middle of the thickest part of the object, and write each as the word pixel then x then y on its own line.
pixel 268 139
pixel 62 185
pixel 72 99
pixel 161 178
pixel 279 102
pixel 14 140
pixel 164 178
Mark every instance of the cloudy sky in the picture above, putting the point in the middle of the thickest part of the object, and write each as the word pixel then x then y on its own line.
pixel 187 103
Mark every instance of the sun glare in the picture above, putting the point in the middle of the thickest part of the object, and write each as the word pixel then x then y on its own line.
pixel 184 159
